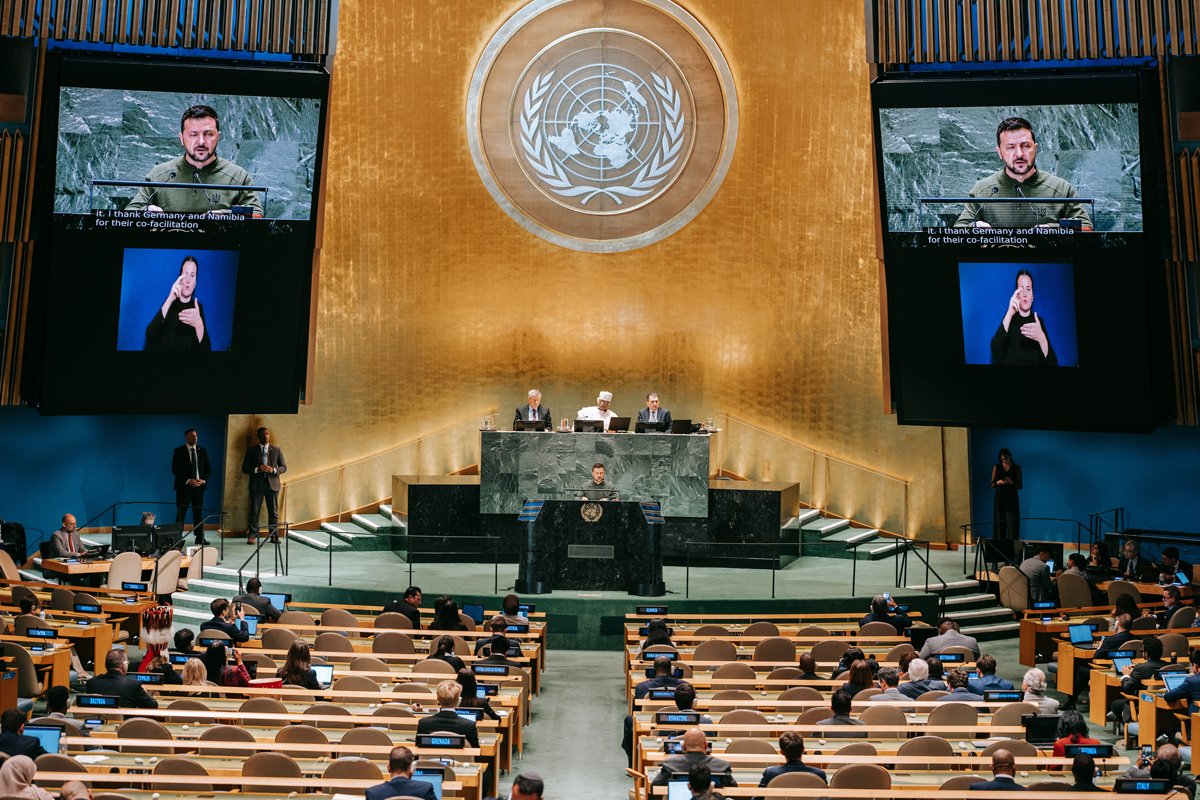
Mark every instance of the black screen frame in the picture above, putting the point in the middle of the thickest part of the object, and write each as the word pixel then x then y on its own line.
pixel 59 380
pixel 1123 381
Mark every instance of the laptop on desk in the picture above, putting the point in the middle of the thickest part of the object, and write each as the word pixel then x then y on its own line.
pixel 1081 636
pixel 1172 680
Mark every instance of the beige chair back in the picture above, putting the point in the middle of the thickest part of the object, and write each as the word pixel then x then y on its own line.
pixel 168 572
pixel 715 650
pixel 271 765
pixel 125 567
pixel 760 746
pixel 882 714
pixel 953 714
pixel 801 693
pixel 338 618
pixel 352 767
pixel 365 737
pixel 796 780
pixel 142 728
pixel 225 733
pixel 62 599
pixel 761 629
pixel 1014 588
pixel 8 567
pixel 296 618
pixel 829 650
pixel 393 620
pixel 392 643
pixel 327 710
pixel 1183 618
pixel 876 629
pixel 1011 713
pixel 1018 747
pixel 861 776
pixel 278 638
pixel 925 746
pixel 1074 591
pixel 355 683
pixel 774 649
pixel 301 734
pixel 712 630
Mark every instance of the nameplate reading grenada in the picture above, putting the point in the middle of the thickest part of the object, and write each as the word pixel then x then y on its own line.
pixel 160 220
pixel 995 237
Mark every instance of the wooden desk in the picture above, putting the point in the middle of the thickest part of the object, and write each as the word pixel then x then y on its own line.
pixel 187 783
pixel 97 566
pixel 186 724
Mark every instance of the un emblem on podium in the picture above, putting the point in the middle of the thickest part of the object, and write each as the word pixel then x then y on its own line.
pixel 602 125
pixel 591 512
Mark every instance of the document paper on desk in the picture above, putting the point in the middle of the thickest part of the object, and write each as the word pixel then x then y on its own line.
pixel 84 758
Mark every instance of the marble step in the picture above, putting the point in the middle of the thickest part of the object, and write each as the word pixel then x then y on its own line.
pixel 980 616
pixel 852 535
pixel 952 587
pixel 356 536
pixel 385 509
pixel 320 540
pixel 990 633
pixel 964 602
pixel 375 523
pixel 880 549
pixel 825 527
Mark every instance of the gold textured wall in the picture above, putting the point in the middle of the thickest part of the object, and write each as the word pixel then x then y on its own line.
pixel 434 304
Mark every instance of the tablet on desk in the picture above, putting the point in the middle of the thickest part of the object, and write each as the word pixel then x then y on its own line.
pixel 1119 664
pixel 434 777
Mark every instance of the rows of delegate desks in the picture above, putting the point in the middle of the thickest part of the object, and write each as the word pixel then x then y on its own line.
pixel 1044 632
pixel 924 773
pixel 1041 629
pixel 93 635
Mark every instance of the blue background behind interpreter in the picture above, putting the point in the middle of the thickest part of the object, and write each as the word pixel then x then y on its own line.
pixel 986 288
pixel 146 278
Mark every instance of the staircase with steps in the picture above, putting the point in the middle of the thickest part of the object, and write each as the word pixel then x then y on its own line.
pixel 364 532
pixel 977 613
pixel 825 533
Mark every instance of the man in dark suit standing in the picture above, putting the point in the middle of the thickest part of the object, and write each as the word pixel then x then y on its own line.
pixel 264 464
pixel 445 720
pixel 115 682
pixel 534 411
pixel 1004 775
pixel 400 767
pixel 189 465
pixel 653 414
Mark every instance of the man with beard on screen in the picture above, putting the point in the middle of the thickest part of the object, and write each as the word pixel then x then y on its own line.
pixel 199 133
pixel 1020 178
pixel 1021 338
pixel 179 325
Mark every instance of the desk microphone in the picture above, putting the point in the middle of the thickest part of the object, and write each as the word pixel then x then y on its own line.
pixel 1032 210
pixel 171 177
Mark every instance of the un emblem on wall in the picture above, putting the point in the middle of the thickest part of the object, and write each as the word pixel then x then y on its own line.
pixel 602 125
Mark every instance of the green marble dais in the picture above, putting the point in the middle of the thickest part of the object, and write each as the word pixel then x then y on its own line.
pixel 519 466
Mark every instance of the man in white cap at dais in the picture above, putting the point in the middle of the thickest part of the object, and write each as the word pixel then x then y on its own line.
pixel 600 411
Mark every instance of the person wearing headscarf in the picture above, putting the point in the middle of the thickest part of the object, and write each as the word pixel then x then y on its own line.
pixel 16 779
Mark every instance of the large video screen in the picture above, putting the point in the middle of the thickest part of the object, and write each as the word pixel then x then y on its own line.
pixel 179 231
pixel 1022 228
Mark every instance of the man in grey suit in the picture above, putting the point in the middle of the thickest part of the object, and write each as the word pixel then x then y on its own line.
pixel 65 541
pixel 948 636
pixel 264 463
pixel 534 411
pixel 652 413
pixel 1041 587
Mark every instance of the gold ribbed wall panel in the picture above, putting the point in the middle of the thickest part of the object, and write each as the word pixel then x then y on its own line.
pixel 299 27
pixel 947 31
pixel 434 303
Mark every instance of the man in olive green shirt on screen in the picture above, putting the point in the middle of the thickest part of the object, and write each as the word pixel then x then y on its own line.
pixel 199 132
pixel 1020 178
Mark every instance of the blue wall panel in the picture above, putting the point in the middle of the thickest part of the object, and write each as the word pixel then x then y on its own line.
pixel 83 464
pixel 1155 477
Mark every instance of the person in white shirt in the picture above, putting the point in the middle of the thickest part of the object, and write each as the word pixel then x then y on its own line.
pixel 600 411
